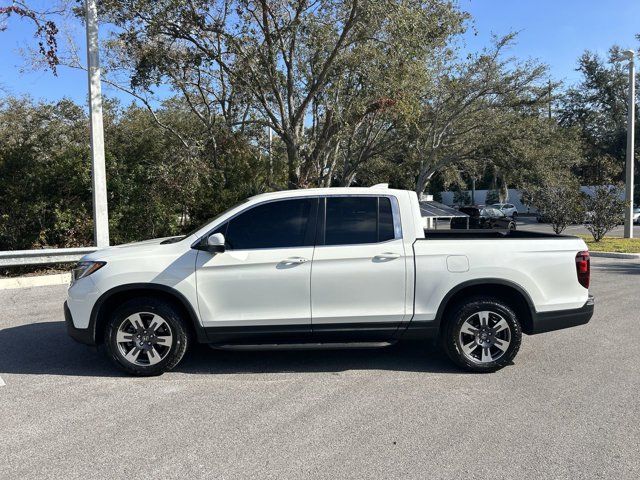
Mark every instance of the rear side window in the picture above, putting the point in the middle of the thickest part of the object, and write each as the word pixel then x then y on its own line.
pixel 278 224
pixel 357 220
pixel 385 220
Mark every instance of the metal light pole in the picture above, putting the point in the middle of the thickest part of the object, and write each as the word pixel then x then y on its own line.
pixel 98 173
pixel 631 124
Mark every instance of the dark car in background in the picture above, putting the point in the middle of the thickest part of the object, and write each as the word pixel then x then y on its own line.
pixel 483 217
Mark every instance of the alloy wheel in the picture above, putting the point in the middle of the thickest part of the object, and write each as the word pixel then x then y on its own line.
pixel 484 337
pixel 144 338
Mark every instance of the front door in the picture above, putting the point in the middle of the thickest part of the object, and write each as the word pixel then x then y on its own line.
pixel 261 283
pixel 358 278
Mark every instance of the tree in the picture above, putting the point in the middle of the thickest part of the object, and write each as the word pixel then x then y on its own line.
pixel 46 30
pixel 461 197
pixel 597 108
pixel 44 175
pixel 320 74
pixel 156 186
pixel 464 105
pixel 605 210
pixel 493 196
pixel 529 150
pixel 559 199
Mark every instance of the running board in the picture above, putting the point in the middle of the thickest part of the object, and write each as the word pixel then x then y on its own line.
pixel 302 346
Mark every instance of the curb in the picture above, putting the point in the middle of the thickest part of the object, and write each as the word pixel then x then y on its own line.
pixel 615 255
pixel 38 281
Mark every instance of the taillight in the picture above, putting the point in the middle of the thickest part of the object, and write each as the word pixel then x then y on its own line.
pixel 583 268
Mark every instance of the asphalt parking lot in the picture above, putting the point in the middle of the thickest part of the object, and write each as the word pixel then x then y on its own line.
pixel 567 408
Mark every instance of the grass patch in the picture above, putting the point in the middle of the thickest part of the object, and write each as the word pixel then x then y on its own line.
pixel 613 244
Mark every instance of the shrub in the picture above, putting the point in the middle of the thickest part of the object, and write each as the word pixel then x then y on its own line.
pixel 605 210
pixel 561 203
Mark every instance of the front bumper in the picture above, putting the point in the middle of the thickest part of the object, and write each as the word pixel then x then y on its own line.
pixel 549 321
pixel 82 335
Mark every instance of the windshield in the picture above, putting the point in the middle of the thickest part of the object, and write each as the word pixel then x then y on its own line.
pixel 212 219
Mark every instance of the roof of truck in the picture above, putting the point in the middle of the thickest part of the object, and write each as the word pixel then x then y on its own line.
pixel 376 189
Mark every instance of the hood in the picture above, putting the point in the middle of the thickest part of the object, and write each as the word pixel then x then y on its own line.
pixel 132 250
pixel 152 241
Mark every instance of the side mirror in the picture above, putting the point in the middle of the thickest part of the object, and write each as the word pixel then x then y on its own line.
pixel 213 244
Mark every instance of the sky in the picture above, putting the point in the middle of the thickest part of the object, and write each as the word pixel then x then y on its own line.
pixel 555 32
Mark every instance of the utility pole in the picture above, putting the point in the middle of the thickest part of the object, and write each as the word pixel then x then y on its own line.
pixel 631 127
pixel 629 55
pixel 98 171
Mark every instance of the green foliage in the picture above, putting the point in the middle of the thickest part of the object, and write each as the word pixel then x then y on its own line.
pixel 559 200
pixel 493 196
pixel 355 93
pixel 349 68
pixel 156 186
pixel 461 197
pixel 605 210
pixel 44 175
pixel 597 109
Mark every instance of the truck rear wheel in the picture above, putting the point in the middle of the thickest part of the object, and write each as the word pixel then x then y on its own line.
pixel 481 334
pixel 146 337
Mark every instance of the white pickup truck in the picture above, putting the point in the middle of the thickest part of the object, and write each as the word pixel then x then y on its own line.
pixel 327 267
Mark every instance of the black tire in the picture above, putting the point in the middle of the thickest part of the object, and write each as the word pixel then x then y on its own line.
pixel 172 355
pixel 450 333
pixel 512 226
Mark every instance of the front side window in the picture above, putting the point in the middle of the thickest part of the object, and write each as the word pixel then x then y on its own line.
pixel 358 220
pixel 279 224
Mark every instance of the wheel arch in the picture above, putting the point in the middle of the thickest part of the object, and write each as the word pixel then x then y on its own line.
pixel 511 293
pixel 114 297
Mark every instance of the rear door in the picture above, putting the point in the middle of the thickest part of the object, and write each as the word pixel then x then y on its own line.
pixel 358 276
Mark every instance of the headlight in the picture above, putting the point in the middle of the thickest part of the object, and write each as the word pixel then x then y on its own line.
pixel 84 269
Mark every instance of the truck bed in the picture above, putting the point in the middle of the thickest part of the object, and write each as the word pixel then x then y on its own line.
pixel 542 264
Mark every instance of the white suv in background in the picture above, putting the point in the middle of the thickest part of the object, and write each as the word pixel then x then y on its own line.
pixel 508 209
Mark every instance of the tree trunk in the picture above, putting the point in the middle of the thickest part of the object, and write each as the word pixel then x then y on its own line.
pixel 504 192
pixel 421 184
pixel 293 158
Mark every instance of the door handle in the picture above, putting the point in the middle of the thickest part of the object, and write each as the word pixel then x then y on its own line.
pixel 386 256
pixel 293 260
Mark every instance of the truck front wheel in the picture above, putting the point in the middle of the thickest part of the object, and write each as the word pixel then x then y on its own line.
pixel 146 337
pixel 481 334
